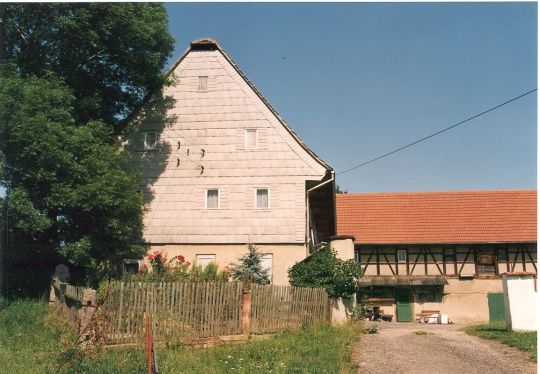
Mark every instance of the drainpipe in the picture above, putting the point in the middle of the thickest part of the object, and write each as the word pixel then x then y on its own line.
pixel 332 178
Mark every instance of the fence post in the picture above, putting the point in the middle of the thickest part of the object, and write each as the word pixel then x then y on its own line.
pixel 246 310
pixel 87 310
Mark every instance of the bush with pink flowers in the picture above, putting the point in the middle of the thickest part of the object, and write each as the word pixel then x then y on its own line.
pixel 156 268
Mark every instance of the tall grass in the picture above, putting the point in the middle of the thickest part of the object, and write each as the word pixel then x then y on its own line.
pixel 524 341
pixel 35 341
pixel 316 349
pixel 31 340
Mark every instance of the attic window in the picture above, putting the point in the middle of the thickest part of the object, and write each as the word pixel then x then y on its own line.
pixel 251 138
pixel 151 139
pixel 203 83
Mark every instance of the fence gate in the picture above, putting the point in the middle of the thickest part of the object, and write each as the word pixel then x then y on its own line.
pixel 496 306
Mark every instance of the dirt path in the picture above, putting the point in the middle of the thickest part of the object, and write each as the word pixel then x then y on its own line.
pixel 398 349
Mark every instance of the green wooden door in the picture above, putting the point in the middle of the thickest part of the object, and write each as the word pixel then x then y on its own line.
pixel 496 306
pixel 404 305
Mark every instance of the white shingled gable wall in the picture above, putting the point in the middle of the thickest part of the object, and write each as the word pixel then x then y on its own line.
pixel 215 120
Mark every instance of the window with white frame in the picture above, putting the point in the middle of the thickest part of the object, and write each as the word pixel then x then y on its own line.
pixel 212 199
pixel 203 83
pixel 262 198
pixel 266 263
pixel 151 138
pixel 204 260
pixel 252 138
pixel 402 255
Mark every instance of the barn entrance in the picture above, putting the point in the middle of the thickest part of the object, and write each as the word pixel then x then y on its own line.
pixel 496 306
pixel 404 307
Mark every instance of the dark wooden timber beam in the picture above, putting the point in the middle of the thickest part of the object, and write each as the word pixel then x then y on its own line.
pixel 435 260
pixel 396 260
pixel 368 260
pixel 415 261
pixel 465 261
pixel 530 258
pixel 515 260
pixel 389 264
pixel 378 261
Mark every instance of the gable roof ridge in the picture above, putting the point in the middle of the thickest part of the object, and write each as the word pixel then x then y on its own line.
pixel 212 42
pixel 441 192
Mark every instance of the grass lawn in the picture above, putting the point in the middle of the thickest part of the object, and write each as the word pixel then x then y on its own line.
pixel 524 341
pixel 31 341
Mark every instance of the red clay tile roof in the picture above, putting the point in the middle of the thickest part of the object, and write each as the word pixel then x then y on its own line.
pixel 438 217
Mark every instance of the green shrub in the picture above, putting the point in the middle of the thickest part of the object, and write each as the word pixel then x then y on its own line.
pixel 323 269
pixel 362 309
pixel 249 267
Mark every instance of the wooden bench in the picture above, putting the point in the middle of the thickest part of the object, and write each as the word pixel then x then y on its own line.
pixel 426 313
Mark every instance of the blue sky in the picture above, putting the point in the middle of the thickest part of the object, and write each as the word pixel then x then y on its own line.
pixel 356 80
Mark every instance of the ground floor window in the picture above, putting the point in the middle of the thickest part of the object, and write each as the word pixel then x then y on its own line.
pixel 204 260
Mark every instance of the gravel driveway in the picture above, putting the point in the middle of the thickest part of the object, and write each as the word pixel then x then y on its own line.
pixel 398 349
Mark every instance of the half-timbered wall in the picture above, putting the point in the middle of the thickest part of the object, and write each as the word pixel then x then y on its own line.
pixel 450 260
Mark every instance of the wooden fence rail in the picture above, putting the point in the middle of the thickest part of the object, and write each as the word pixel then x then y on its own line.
pixel 193 310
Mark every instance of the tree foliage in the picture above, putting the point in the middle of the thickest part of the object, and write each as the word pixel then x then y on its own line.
pixel 249 267
pixel 323 269
pixel 111 55
pixel 69 188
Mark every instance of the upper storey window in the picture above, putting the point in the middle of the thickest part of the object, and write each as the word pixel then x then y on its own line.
pixel 252 138
pixel 151 138
pixel 203 83
pixel 212 199
pixel 261 198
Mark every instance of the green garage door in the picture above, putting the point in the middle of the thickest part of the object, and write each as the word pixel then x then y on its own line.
pixel 496 306
pixel 404 305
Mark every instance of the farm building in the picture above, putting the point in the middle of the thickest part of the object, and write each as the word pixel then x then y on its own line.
pixel 440 251
pixel 222 169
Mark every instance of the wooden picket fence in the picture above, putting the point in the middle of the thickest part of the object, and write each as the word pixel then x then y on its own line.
pixel 275 308
pixel 183 311
pixel 179 310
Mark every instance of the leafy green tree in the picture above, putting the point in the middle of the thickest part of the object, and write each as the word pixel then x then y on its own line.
pixel 249 267
pixel 70 191
pixel 323 269
pixel 111 55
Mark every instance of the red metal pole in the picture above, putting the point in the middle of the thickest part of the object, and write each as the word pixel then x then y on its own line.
pixel 148 345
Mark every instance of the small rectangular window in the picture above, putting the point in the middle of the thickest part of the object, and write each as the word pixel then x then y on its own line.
pixel 151 139
pixel 212 199
pixel 204 260
pixel 485 263
pixel 402 255
pixel 251 138
pixel 266 264
pixel 449 254
pixel 501 254
pixel 203 83
pixel 261 198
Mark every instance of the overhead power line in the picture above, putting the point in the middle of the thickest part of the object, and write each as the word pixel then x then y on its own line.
pixel 438 132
